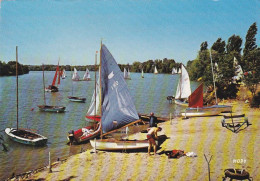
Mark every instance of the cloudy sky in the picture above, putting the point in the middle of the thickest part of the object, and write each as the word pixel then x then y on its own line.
pixel 133 30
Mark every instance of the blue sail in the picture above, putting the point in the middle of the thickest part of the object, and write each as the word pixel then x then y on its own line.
pixel 118 108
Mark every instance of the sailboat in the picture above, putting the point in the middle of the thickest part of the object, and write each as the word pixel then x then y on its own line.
pixel 75 76
pixel 179 71
pixel 196 107
pixel 86 76
pixel 53 87
pixel 126 74
pixel 45 107
pixel 174 71
pixel 86 133
pixel 63 76
pixel 20 135
pixel 155 70
pixel 183 89
pixel 117 107
pixel 142 74
pixel 76 99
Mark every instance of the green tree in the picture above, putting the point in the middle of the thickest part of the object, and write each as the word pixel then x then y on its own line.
pixel 250 60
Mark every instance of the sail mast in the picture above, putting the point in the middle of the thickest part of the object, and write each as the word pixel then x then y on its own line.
pixel 213 77
pixel 95 111
pixel 71 81
pixel 100 88
pixel 181 81
pixel 17 87
pixel 43 84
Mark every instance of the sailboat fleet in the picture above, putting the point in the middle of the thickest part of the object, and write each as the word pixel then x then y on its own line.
pixel 111 108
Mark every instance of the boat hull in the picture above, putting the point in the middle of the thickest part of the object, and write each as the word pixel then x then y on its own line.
pixel 204 111
pixel 181 103
pixel 81 137
pixel 77 99
pixel 113 145
pixel 57 109
pixel 223 108
pixel 39 141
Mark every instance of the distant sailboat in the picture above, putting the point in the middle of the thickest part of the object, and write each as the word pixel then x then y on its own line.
pixel 183 89
pixel 142 74
pixel 63 76
pixel 45 107
pixel 53 87
pixel 179 72
pixel 20 135
pixel 86 76
pixel 75 76
pixel 155 70
pixel 118 109
pixel 126 74
pixel 174 71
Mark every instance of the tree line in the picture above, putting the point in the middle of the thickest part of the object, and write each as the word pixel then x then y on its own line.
pixel 9 68
pixel 222 54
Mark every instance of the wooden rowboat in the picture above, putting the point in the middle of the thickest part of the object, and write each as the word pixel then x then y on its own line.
pixel 26 137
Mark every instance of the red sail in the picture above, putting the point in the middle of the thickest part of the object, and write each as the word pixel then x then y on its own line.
pixel 196 98
pixel 59 77
pixel 55 76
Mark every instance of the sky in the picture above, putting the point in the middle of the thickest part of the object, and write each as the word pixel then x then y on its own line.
pixel 133 30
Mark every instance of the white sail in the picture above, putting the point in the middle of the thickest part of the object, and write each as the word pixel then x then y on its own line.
pixel 128 74
pixel 183 88
pixel 179 72
pixel 86 75
pixel 155 70
pixel 174 71
pixel 63 74
pixel 75 75
pixel 142 73
pixel 92 111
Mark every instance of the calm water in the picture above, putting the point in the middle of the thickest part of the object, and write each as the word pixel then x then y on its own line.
pixel 149 94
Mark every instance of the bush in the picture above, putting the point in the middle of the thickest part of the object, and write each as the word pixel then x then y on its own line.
pixel 256 101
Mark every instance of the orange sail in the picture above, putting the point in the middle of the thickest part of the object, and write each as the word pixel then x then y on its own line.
pixel 196 98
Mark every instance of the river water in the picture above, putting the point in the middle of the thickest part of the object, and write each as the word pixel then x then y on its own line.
pixel 149 94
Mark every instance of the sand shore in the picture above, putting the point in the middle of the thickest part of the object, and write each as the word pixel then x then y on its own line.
pixel 202 135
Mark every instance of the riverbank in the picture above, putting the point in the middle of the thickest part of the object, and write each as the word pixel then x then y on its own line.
pixel 203 135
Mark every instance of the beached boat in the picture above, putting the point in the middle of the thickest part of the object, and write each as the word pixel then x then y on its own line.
pixel 75 76
pixel 63 75
pixel 93 114
pixel 45 107
pixel 20 135
pixel 183 88
pixel 118 109
pixel 126 74
pixel 53 87
pixel 142 74
pixel 86 76
pixel 155 70
pixel 196 107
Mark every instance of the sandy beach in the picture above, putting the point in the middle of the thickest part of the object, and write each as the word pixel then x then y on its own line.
pixel 202 135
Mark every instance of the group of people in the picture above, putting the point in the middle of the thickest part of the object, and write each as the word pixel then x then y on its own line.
pixel 152 133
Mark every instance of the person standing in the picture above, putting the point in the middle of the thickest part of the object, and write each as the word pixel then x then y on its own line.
pixel 153 120
pixel 152 136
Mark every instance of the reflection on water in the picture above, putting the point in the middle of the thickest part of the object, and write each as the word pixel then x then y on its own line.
pixel 149 94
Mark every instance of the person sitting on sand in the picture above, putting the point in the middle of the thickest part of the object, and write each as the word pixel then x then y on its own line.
pixel 152 136
pixel 153 120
